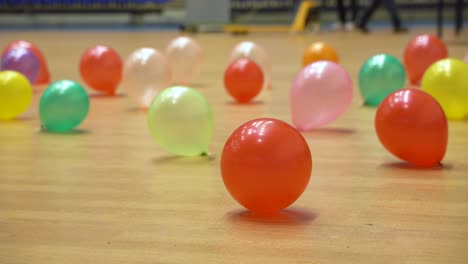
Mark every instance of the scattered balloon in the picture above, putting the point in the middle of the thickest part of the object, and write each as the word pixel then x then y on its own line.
pixel 146 72
pixel 23 61
pixel 15 94
pixel 379 76
pixel 101 68
pixel 319 51
pixel 243 79
pixel 180 119
pixel 411 125
pixel 63 106
pixel 185 60
pixel 44 75
pixel 447 81
pixel 253 51
pixel 420 53
pixel 266 165
pixel 321 92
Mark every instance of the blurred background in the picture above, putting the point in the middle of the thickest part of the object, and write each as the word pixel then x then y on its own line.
pixel 178 14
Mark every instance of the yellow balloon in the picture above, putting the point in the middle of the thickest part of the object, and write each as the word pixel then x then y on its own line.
pixel 15 94
pixel 447 81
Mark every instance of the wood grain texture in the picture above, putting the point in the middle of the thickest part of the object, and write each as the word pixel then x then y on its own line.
pixel 110 194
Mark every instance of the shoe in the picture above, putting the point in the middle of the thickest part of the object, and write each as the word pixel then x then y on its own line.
pixel 400 30
pixel 363 29
pixel 349 26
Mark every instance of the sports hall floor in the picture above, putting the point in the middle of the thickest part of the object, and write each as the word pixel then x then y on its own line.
pixel 109 194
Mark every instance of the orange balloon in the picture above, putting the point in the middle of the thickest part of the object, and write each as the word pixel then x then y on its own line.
pixel 44 75
pixel 319 51
pixel 420 53
pixel 101 68
pixel 243 79
pixel 411 125
pixel 266 165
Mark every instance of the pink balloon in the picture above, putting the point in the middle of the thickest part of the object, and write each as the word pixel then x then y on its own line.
pixel 252 51
pixel 146 72
pixel 185 59
pixel 321 92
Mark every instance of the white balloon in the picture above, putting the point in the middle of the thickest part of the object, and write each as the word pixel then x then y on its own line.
pixel 253 51
pixel 185 60
pixel 146 72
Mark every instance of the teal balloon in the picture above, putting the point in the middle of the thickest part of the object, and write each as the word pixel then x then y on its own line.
pixel 63 106
pixel 379 76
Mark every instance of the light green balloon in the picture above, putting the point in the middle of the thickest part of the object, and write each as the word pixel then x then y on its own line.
pixel 180 119
pixel 380 76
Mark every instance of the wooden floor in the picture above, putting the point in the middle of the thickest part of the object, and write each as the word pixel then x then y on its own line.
pixel 110 194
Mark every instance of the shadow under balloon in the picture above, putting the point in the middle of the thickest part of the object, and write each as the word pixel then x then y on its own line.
pixel 182 160
pixel 330 131
pixel 106 96
pixel 289 216
pixel 74 132
pixel 402 165
pixel 20 119
pixel 253 103
pixel 369 106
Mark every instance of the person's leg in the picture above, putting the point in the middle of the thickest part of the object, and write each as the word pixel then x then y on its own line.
pixel 368 12
pixel 341 11
pixel 458 16
pixel 393 11
pixel 351 7
pixel 354 9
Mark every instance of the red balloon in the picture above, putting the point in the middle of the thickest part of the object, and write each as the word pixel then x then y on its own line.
pixel 266 165
pixel 420 53
pixel 44 75
pixel 411 125
pixel 243 79
pixel 101 68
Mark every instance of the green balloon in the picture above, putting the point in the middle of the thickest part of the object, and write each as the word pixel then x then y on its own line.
pixel 380 75
pixel 180 119
pixel 63 106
